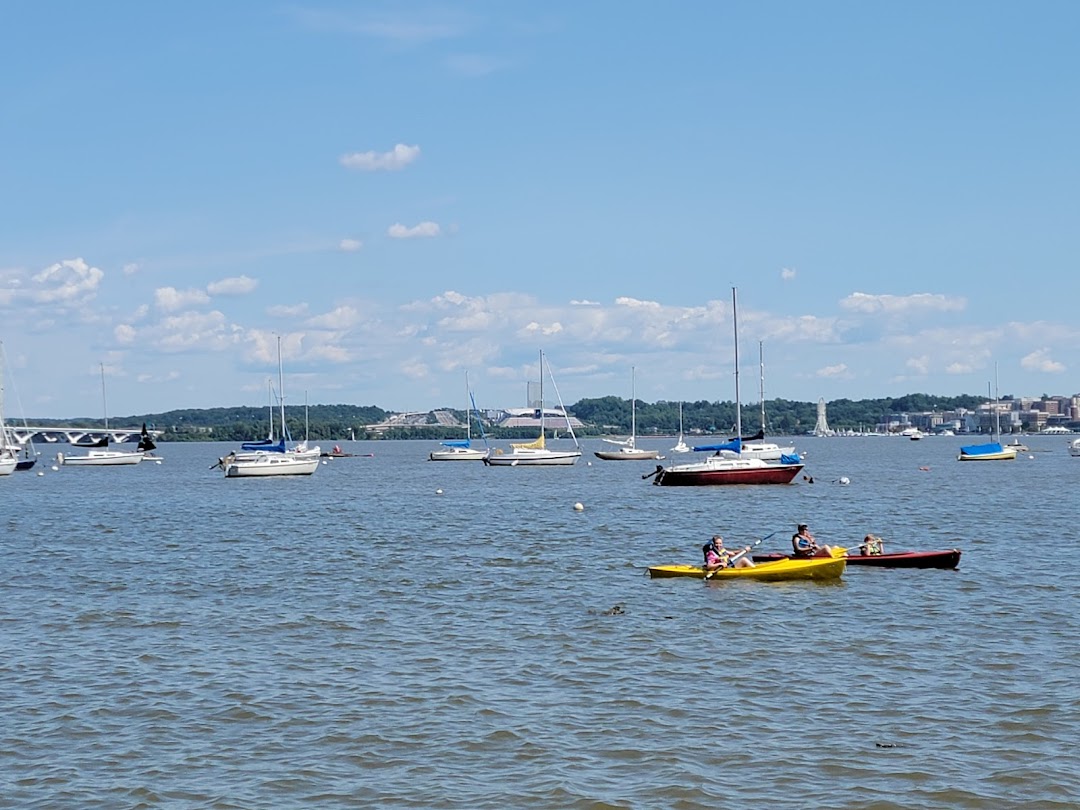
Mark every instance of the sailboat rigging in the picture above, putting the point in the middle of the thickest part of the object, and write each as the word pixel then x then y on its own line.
pixel 103 458
pixel 462 449
pixel 727 465
pixel 537 453
pixel 628 450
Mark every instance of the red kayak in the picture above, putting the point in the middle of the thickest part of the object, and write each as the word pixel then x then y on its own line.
pixel 900 559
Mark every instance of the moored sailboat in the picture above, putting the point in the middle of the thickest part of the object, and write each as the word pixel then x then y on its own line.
pixel 98 457
pixel 727 465
pixel 462 449
pixel 992 450
pixel 628 449
pixel 258 459
pixel 537 453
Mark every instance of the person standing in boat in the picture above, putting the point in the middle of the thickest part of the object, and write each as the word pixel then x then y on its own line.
pixel 717 557
pixel 872 546
pixel 803 544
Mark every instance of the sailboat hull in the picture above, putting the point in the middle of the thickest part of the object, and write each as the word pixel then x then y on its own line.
pixel 534 458
pixel 627 454
pixel 458 454
pixel 722 471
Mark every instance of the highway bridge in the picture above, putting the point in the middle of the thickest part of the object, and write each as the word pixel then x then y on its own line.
pixel 56 434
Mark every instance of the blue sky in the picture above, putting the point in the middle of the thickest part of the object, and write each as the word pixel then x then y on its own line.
pixel 406 191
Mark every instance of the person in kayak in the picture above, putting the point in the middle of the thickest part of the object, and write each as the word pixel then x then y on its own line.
pixel 872 546
pixel 717 557
pixel 803 544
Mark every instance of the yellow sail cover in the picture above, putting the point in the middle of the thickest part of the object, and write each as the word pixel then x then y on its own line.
pixel 537 445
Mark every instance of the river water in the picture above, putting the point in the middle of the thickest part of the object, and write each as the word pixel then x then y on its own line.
pixel 393 632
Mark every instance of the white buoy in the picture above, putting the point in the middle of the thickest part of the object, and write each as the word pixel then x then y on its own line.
pixel 55 468
pixel 588 463
pixel 40 473
pixel 845 480
pixel 579 507
pixel 438 492
pixel 1031 456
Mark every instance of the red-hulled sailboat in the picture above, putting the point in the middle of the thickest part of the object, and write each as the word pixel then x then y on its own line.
pixel 729 469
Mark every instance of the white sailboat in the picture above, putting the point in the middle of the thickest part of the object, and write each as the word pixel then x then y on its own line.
pixel 993 449
pixel 628 449
pixel 537 453
pixel 272 459
pixel 462 449
pixel 680 446
pixel 102 458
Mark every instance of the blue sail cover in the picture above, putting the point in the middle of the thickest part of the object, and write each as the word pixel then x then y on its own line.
pixel 266 445
pixel 735 446
pixel 457 443
pixel 792 459
pixel 982 449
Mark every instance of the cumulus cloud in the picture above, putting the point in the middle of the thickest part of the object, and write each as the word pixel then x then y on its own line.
pixel 66 282
pixel 1040 360
pixel 124 334
pixel 535 328
pixel 920 365
pixel 287 310
pixel 189 330
pixel 170 299
pixel 894 304
pixel 584 303
pixel 839 370
pixel 959 368
pixel 634 303
pixel 787 273
pixel 342 317
pixel 350 245
pixel 424 230
pixel 239 285
pixel 396 159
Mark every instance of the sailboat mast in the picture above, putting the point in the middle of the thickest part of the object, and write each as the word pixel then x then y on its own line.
pixel 735 327
pixel 541 393
pixel 761 368
pixel 633 405
pixel 468 412
pixel 104 401
pixel 281 387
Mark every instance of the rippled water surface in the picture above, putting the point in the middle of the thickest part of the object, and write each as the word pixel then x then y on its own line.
pixel 358 638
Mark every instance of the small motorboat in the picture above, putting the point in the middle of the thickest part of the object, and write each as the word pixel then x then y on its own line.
pixel 902 559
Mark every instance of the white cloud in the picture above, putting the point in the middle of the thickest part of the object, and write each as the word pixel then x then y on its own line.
pixel 787 273
pixel 892 304
pixel 342 317
pixel 350 245
pixel 193 330
pixel 124 334
pixel 423 230
pixel 238 285
pixel 66 281
pixel 584 303
pixel 1039 360
pixel 959 368
pixel 131 268
pixel 287 311
pixel 170 299
pixel 920 365
pixel 396 159
pixel 634 303
pixel 537 329
pixel 839 370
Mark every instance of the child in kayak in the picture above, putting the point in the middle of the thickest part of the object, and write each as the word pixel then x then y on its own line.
pixel 872 546
pixel 717 557
pixel 803 544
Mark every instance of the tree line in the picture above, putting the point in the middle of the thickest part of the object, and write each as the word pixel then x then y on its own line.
pixel 602 416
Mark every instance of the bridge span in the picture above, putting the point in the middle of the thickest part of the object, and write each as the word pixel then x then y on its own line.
pixel 57 434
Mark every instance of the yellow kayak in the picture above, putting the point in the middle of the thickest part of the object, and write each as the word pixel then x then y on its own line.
pixel 779 571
